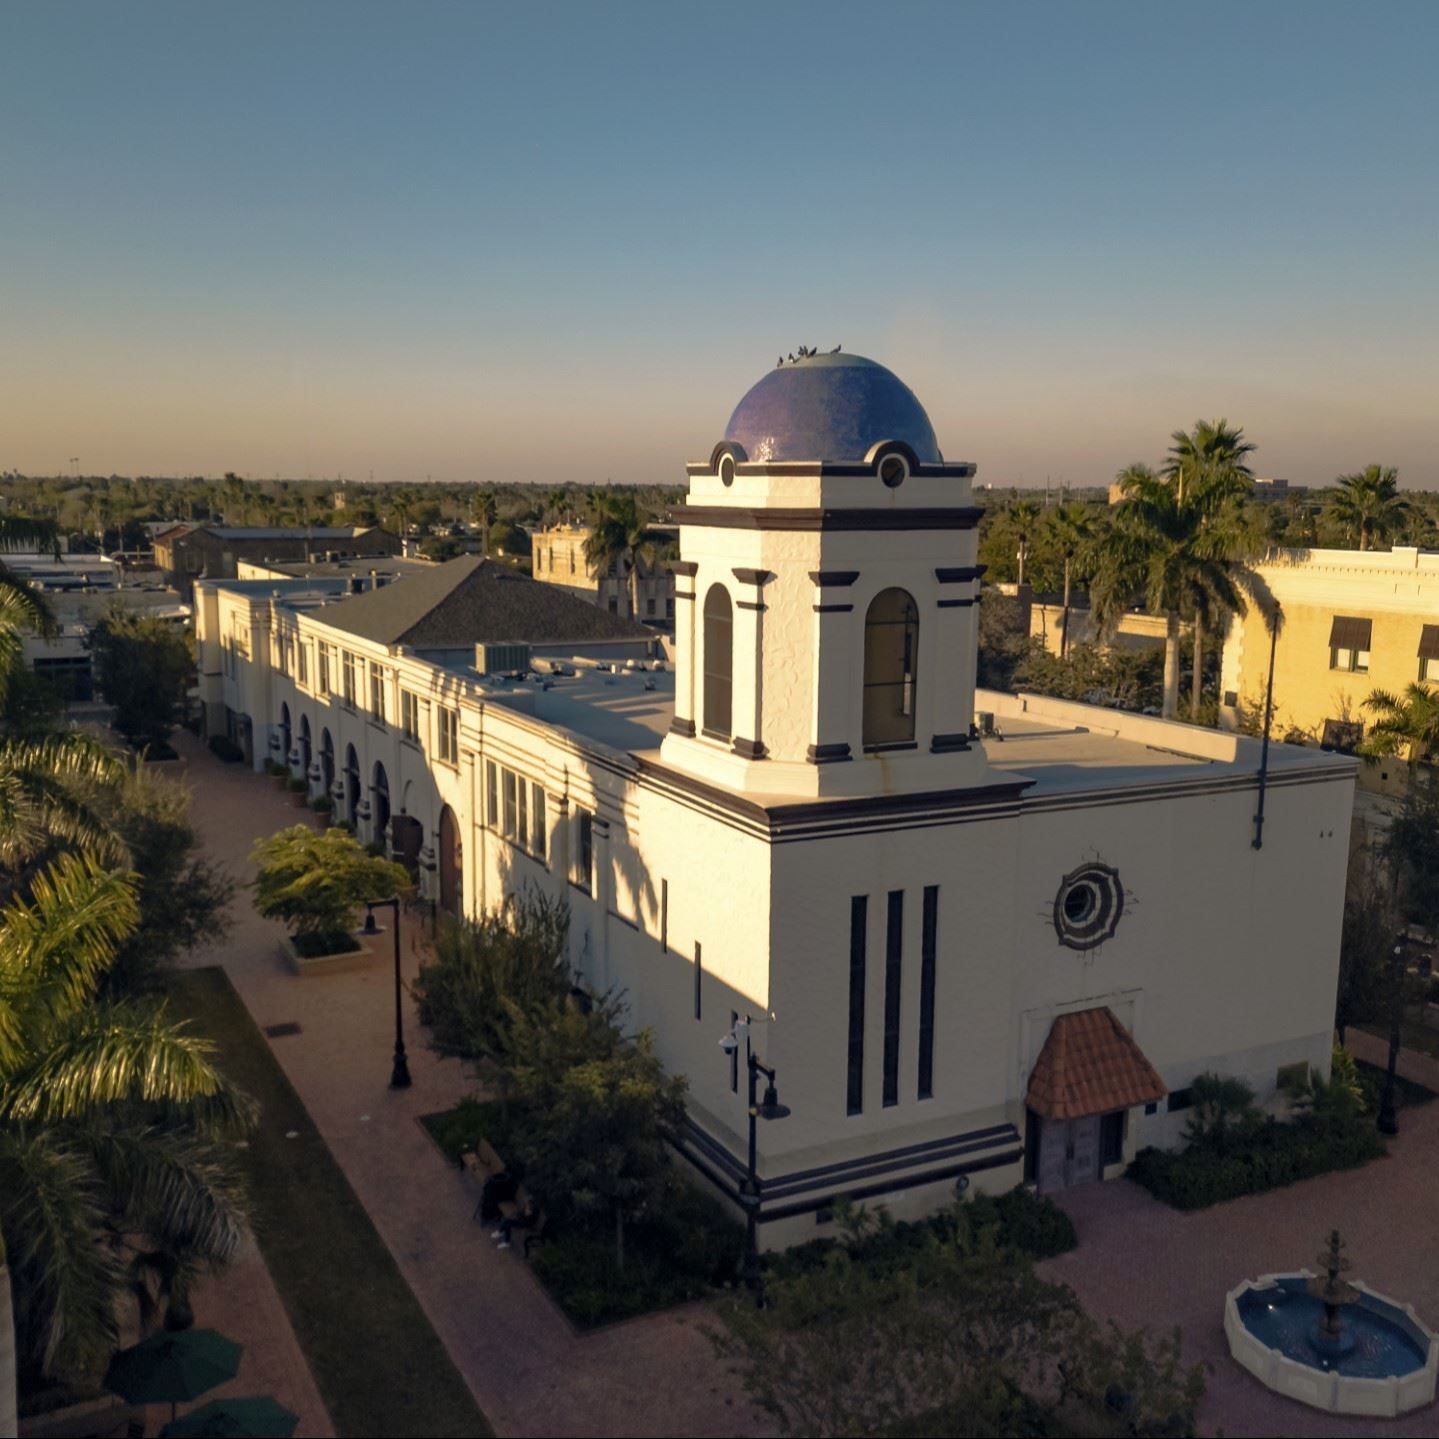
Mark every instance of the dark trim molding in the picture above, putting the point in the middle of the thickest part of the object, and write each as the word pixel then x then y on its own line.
pixel 685 567
pixel 685 727
pixel 750 749
pixel 953 604
pixel 750 605
pixel 726 517
pixel 758 578
pixel 827 753
pixel 684 594
pixel 948 743
pixel 839 579
pixel 852 469
pixel 958 575
pixel 833 609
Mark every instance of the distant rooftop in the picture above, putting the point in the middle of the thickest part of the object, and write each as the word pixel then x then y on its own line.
pixel 477 601
pixel 358 565
pixel 288 532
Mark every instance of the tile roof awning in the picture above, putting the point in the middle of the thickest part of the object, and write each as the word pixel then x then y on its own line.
pixel 1348 633
pixel 1090 1064
pixel 1429 643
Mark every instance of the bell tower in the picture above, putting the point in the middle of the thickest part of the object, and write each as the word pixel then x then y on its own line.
pixel 825 599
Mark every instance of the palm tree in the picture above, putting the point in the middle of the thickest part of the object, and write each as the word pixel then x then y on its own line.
pixel 1368 504
pixel 620 536
pixel 1023 517
pixel 1173 553
pixel 111 1122
pixel 1211 454
pixel 485 512
pixel 556 503
pixel 1407 722
pixel 1071 532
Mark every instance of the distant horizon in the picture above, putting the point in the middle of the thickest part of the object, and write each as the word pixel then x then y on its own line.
pixel 557 244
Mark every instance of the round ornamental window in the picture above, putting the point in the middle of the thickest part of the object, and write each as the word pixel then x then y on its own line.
pixel 893 471
pixel 726 471
pixel 1088 906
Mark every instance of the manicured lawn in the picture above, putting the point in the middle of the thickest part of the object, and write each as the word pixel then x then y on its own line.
pixel 380 1367
pixel 689 1251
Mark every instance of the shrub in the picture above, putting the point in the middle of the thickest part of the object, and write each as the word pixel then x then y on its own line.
pixel 1032 1223
pixel 459 1130
pixel 298 785
pixel 224 748
pixel 1271 1157
pixel 322 804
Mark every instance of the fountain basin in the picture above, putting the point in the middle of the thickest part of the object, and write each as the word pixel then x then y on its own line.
pixel 1389 1368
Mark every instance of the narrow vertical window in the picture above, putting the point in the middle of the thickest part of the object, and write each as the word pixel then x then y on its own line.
pixel 542 833
pixel 492 794
pixel 509 787
pixel 893 953
pixel 522 829
pixel 664 916
pixel 926 991
pixel 718 663
pixel 734 1055
pixel 699 977
pixel 584 861
pixel 891 649
pixel 854 1087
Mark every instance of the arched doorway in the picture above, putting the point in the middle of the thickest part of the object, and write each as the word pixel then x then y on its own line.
pixel 284 734
pixel 327 760
pixel 380 803
pixel 352 784
pixel 305 745
pixel 449 862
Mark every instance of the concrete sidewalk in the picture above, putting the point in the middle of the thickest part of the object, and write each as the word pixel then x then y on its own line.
pixel 529 1371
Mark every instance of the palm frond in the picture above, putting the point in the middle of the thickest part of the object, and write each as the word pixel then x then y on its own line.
pixel 54 946
pixel 121 1054
pixel 180 1189
pixel 67 1277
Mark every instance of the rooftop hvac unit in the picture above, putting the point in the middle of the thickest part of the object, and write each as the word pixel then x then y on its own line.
pixel 984 721
pixel 502 659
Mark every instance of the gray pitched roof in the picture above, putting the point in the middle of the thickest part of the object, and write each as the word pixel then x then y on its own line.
pixel 476 601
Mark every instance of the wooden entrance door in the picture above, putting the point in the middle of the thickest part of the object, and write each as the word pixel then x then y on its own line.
pixel 1068 1153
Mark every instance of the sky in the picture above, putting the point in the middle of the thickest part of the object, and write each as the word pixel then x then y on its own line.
pixel 557 242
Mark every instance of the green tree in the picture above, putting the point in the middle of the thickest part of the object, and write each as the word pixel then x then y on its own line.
pixel 1365 945
pixel 1404 724
pixel 1022 518
pixel 1175 553
pixel 620 535
pixel 316 882
pixel 183 896
pixel 962 1338
pixel 115 1126
pixel 1210 457
pixel 483 507
pixel 1368 505
pixel 600 1116
pixel 1070 531
pixel 50 795
pixel 144 666
pixel 487 970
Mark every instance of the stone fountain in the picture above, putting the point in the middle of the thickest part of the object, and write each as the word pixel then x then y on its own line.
pixel 1332 1342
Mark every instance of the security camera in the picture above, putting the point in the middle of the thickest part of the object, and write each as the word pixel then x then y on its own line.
pixel 729 1043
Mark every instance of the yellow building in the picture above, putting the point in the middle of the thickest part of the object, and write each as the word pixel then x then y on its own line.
pixel 557 556
pixel 1354 621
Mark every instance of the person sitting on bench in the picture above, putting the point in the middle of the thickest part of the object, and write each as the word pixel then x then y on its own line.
pixel 522 1218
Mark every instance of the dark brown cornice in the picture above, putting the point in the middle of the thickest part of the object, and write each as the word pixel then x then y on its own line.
pixel 726 517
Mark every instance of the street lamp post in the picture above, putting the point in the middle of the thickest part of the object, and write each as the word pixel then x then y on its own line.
pixel 400 1070
pixel 769 1108
pixel 1388 1119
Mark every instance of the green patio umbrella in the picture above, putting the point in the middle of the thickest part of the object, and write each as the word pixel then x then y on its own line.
pixel 259 1418
pixel 171 1367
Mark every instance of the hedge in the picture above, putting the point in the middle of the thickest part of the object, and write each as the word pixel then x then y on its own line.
pixel 1275 1155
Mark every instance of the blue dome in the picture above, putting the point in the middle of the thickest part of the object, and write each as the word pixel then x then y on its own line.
pixel 830 407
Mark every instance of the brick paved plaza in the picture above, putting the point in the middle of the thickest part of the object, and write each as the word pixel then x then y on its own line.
pixel 1137 1261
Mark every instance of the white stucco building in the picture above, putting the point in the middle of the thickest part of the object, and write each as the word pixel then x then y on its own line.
pixel 975 934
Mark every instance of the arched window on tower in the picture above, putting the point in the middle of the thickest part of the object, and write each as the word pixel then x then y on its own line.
pixel 718 663
pixel 891 651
